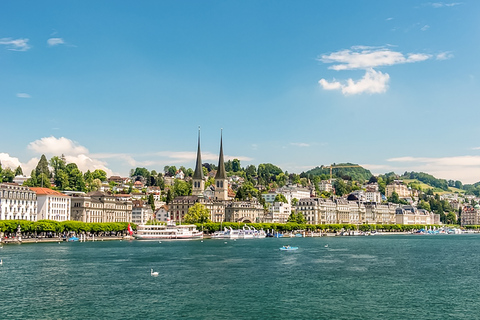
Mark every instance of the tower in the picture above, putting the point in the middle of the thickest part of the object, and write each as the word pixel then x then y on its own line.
pixel 221 182
pixel 198 182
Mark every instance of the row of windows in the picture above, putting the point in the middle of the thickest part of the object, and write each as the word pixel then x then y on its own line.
pixel 17 195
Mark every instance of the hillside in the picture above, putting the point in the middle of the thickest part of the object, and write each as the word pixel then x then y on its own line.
pixel 354 173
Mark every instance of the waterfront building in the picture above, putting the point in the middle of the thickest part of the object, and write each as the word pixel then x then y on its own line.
pixel 100 207
pixel 280 211
pixel 411 215
pixel 244 211
pixel 470 215
pixel 17 202
pixel 52 205
pixel 293 192
pixel 141 212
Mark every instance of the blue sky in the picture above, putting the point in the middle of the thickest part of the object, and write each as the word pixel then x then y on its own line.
pixel 391 85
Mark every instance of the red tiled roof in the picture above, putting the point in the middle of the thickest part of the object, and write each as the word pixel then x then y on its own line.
pixel 47 191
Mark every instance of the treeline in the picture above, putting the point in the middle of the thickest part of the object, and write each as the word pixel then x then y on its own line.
pixel 211 227
pixel 347 173
pixel 28 228
pixel 428 179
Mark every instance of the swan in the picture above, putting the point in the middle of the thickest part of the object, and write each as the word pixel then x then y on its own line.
pixel 1 262
pixel 326 246
pixel 153 274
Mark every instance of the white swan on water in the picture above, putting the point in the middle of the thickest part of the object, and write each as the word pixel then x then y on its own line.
pixel 1 262
pixel 153 274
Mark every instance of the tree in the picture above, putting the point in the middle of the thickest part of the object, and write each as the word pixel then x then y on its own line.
pixel 198 213
pixel 172 170
pixel 294 201
pixel 182 188
pixel 169 196
pixel 19 171
pixel 451 218
pixel 280 198
pixel 42 167
pixel 424 205
pixel 151 201
pixel 7 175
pixel 236 165
pixel 99 174
pixel 340 187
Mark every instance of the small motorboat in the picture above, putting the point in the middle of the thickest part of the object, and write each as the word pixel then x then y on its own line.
pixel 71 239
pixel 288 248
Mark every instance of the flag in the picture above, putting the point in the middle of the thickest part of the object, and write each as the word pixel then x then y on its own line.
pixel 130 229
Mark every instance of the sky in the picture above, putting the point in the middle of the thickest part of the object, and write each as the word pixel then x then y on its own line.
pixel 114 85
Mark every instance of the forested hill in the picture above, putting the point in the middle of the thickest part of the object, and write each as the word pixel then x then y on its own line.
pixel 349 171
pixel 430 180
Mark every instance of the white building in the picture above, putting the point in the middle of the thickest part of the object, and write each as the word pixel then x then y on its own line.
pixel 293 192
pixel 269 197
pixel 280 212
pixel 325 185
pixel 162 214
pixel 52 205
pixel 17 203
pixel 20 179
pixel 141 212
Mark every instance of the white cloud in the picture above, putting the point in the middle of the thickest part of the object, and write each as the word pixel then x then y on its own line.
pixel 55 41
pixel 443 4
pixel 300 144
pixel 388 19
pixel 444 55
pixel 57 146
pixel 364 57
pixel 425 27
pixel 372 82
pixel 15 44
pixel 23 95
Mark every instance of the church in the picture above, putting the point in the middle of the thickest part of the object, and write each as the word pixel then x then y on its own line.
pixel 222 207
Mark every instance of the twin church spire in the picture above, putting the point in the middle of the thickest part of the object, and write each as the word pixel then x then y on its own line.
pixel 221 182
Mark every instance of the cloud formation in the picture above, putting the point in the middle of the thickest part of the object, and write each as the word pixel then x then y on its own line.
pixel 15 44
pixel 55 42
pixel 372 82
pixel 443 4
pixel 300 144
pixel 366 58
pixel 23 95
pixel 57 146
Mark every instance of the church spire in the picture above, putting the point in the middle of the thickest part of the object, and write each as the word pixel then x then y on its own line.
pixel 221 164
pixel 198 174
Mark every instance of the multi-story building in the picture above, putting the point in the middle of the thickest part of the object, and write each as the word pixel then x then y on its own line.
pixel 17 202
pixel 280 211
pixel 141 212
pixel 244 211
pixel 52 205
pixel 325 185
pixel 162 214
pixel 397 186
pixel 269 197
pixel 470 215
pixel 373 196
pixel 100 207
pixel 376 213
pixel 410 215
pixel 293 192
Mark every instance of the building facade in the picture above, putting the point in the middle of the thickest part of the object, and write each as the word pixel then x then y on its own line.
pixel 17 202
pixel 52 205
pixel 100 207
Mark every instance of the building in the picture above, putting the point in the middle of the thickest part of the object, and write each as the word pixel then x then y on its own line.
pixel 397 186
pixel 141 212
pixel 411 215
pixel 162 214
pixel 244 211
pixel 221 181
pixel 325 185
pixel 470 215
pixel 293 192
pixel 100 207
pixel 198 180
pixel 20 179
pixel 17 202
pixel 280 211
pixel 52 205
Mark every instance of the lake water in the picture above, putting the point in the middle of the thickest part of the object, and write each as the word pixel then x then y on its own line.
pixel 378 277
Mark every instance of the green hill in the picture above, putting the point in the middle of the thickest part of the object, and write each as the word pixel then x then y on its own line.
pixel 356 172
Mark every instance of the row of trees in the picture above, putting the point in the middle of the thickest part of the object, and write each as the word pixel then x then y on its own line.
pixel 33 228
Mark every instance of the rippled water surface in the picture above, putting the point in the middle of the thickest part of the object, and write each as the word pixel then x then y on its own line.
pixel 378 277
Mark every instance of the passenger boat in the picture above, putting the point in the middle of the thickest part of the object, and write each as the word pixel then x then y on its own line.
pixel 288 248
pixel 245 233
pixel 168 231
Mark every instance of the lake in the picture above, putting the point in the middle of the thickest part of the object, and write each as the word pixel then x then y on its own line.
pixel 375 277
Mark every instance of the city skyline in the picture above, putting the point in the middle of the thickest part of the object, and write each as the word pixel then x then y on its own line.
pixel 117 85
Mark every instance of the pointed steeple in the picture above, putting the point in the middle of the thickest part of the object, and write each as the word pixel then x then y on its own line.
pixel 221 164
pixel 198 174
